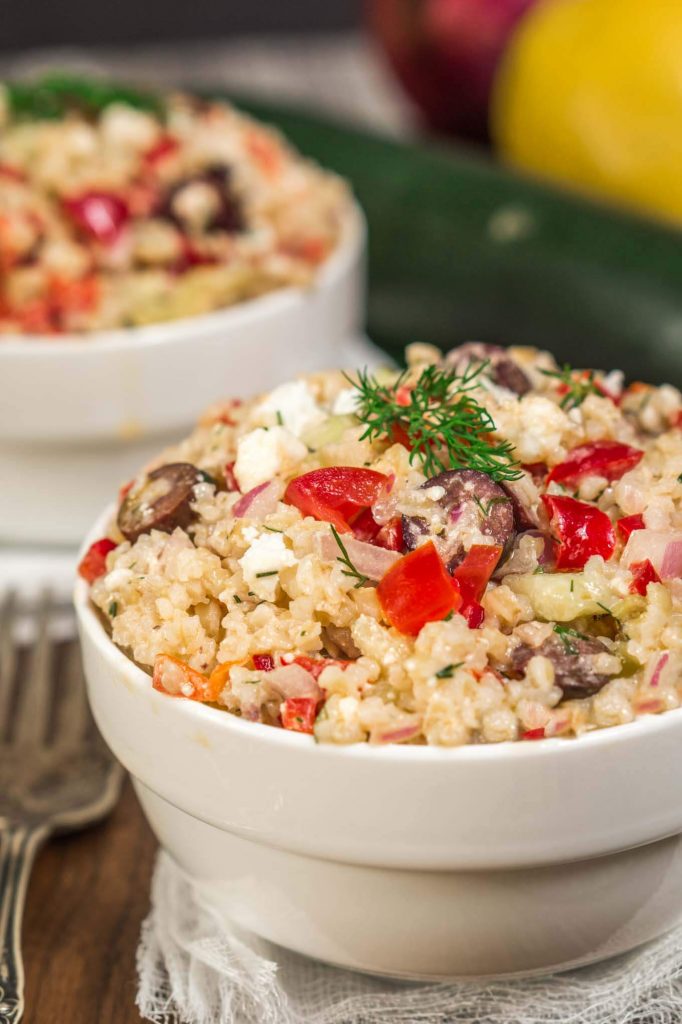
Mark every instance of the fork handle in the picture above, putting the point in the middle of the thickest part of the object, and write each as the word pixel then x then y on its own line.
pixel 18 847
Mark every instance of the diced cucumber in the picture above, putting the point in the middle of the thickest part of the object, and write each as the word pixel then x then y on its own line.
pixel 562 597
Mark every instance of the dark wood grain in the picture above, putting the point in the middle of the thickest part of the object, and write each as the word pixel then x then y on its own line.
pixel 88 895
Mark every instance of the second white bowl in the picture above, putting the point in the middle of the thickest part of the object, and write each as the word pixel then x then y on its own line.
pixel 79 414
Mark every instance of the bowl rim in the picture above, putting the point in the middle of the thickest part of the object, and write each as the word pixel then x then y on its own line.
pixel 122 339
pixel 648 726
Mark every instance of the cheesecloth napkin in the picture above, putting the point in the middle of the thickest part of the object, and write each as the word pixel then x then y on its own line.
pixel 192 969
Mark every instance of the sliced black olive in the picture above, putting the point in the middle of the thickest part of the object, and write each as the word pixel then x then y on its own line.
pixel 162 502
pixel 471 502
pixel 229 214
pixel 501 369
pixel 572 656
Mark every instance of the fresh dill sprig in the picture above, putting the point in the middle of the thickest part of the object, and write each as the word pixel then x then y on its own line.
pixel 344 558
pixel 566 633
pixel 448 671
pixel 441 420
pixel 578 384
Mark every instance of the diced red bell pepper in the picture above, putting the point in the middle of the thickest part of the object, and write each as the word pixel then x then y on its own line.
pixel 389 536
pixel 628 524
pixel 538 470
pixel 643 573
pixel 101 215
pixel 610 459
pixel 299 713
pixel 336 494
pixel 533 734
pixel 93 564
pixel 316 666
pixel 417 590
pixel 165 146
pixel 472 576
pixel 263 662
pixel 582 530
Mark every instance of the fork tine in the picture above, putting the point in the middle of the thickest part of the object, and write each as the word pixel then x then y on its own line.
pixel 8 657
pixel 35 687
pixel 72 719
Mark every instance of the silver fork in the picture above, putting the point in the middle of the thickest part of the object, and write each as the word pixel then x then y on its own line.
pixel 56 775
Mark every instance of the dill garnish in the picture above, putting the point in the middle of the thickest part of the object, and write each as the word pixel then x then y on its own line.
pixel 578 384
pixel 344 558
pixel 566 633
pixel 448 670
pixel 442 422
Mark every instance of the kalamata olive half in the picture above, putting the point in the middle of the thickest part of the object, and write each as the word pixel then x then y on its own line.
pixel 572 656
pixel 501 368
pixel 471 503
pixel 228 215
pixel 162 502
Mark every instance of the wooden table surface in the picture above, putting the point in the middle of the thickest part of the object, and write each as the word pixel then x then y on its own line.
pixel 88 895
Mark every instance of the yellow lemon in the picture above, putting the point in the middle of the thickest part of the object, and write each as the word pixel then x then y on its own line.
pixel 589 93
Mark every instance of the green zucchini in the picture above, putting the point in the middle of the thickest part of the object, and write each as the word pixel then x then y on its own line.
pixel 461 248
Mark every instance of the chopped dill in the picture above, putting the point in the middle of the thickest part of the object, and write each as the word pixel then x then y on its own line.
pixel 262 575
pixel 113 609
pixel 344 558
pixel 485 509
pixel 237 598
pixel 272 529
pixel 566 634
pixel 448 670
pixel 280 418
pixel 443 423
pixel 578 385
pixel 604 608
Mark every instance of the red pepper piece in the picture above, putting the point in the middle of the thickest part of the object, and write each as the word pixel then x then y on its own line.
pixel 389 536
pixel 165 146
pixel 101 215
pixel 417 590
pixel 582 531
pixel 336 494
pixel 643 573
pixel 610 459
pixel 316 666
pixel 263 662
pixel 93 564
pixel 299 713
pixel 472 577
pixel 628 524
pixel 533 734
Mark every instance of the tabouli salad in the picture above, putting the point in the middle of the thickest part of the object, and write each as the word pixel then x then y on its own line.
pixel 120 208
pixel 484 547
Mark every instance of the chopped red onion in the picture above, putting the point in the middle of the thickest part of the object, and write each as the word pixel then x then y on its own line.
pixel 369 559
pixel 292 681
pixel 399 735
pixel 663 548
pixel 260 501
pixel 660 665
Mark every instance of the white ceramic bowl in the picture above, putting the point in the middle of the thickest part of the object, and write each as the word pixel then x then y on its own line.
pixel 414 862
pixel 78 414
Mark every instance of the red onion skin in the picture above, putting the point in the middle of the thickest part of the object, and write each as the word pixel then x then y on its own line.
pixel 369 559
pixel 406 732
pixel 671 566
pixel 662 662
pixel 259 502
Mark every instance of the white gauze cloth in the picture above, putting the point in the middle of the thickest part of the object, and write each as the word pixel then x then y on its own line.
pixel 193 969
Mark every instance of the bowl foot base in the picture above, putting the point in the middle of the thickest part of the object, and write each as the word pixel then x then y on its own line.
pixel 430 925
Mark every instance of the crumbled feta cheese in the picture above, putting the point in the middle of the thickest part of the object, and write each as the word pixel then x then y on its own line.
pixel 267 554
pixel 262 454
pixel 347 402
pixel 292 405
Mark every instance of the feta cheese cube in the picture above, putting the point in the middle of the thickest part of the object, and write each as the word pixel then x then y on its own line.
pixel 263 454
pixel 292 405
pixel 267 554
